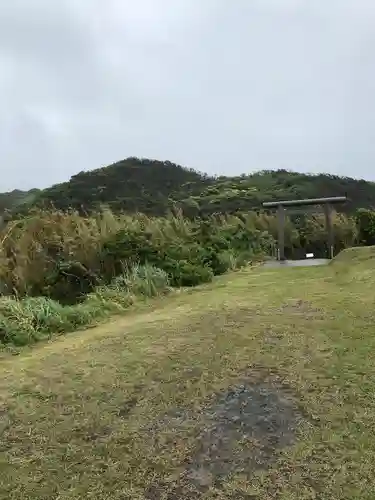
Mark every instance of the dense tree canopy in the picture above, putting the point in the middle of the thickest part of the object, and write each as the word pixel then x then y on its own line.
pixel 153 187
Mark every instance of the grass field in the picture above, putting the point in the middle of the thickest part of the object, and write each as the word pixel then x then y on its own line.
pixel 145 406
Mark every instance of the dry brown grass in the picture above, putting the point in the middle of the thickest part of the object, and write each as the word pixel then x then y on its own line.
pixel 28 247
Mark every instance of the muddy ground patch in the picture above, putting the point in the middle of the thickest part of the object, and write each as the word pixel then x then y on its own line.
pixel 239 431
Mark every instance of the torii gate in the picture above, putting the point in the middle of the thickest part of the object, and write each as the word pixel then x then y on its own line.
pixel 327 204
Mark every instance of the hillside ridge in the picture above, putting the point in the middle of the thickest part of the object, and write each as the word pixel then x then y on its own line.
pixel 154 187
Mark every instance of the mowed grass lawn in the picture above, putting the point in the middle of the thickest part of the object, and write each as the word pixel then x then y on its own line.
pixel 83 417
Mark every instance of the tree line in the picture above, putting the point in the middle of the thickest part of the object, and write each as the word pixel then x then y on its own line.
pixel 154 188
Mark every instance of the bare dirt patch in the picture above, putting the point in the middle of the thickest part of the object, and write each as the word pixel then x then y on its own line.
pixel 241 430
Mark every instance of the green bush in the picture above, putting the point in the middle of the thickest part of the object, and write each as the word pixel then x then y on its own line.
pixel 365 220
pixel 31 319
pixel 228 261
pixel 186 274
pixel 69 282
pixel 147 280
pixel 185 263
pixel 128 247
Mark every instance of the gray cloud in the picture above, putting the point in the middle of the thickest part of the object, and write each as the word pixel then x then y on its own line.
pixel 225 87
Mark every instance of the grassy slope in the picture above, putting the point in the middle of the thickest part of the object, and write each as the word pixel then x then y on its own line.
pixel 64 429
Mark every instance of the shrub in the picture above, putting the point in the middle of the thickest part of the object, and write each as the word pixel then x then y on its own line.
pixel 185 263
pixel 126 248
pixel 69 282
pixel 27 320
pixel 67 257
pixel 147 280
pixel 228 261
pixel 186 274
pixel 30 319
pixel 365 220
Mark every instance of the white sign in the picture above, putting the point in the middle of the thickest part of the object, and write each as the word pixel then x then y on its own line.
pixel 309 256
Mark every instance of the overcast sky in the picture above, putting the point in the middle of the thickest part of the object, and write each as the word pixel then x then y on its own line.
pixel 221 86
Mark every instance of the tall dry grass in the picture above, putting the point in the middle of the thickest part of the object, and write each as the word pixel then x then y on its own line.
pixel 32 248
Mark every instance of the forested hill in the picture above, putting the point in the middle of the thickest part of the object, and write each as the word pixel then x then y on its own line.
pixel 153 187
pixel 131 185
pixel 16 197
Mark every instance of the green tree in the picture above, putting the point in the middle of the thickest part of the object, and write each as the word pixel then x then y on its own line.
pixel 365 220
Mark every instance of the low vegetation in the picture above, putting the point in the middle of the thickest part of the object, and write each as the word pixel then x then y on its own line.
pixel 31 319
pixel 61 270
pixel 148 406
